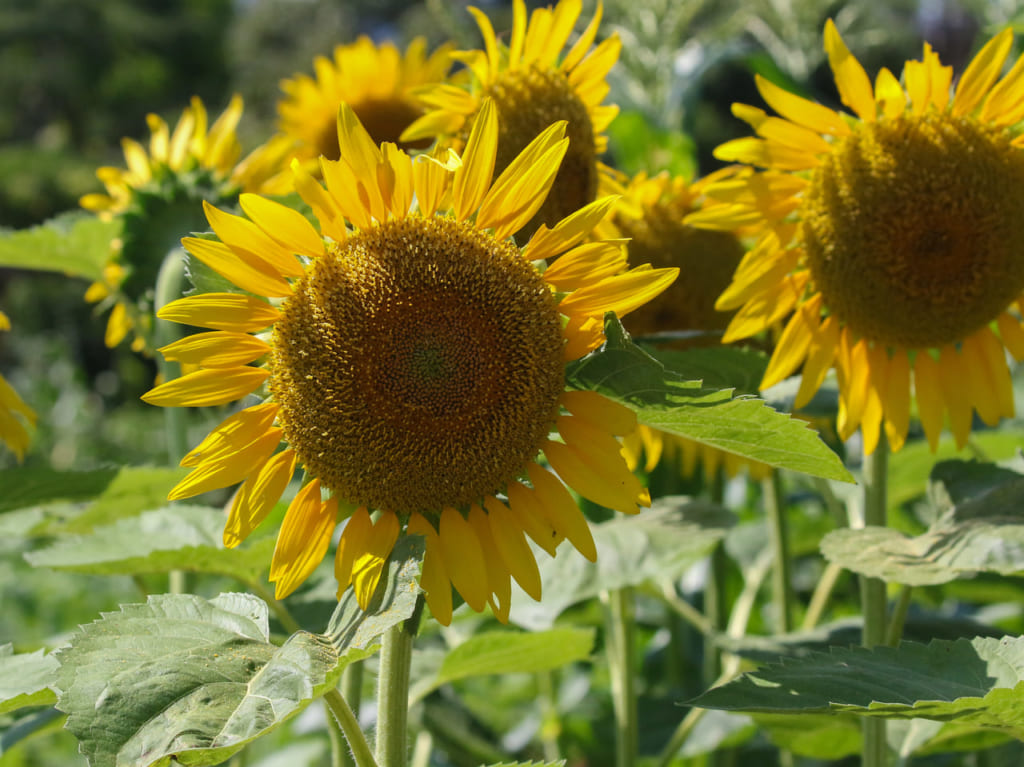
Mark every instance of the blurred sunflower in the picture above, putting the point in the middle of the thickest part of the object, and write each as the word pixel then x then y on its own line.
pixel 533 88
pixel 14 413
pixel 650 213
pixel 892 237
pixel 415 366
pixel 375 81
pixel 158 197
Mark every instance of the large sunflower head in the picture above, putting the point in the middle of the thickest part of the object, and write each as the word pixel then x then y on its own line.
pixel 532 85
pixel 412 357
pixel 158 197
pixel 891 238
pixel 375 81
pixel 15 415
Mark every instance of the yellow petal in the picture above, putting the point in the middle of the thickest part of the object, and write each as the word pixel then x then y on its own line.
pixel 817 118
pixel 226 469
pixel 303 540
pixel 430 178
pixel 434 579
pixel 218 348
pixel 1012 335
pixel 221 311
pixel 118 325
pixel 369 563
pixel 499 581
pixel 473 177
pixel 851 79
pixel 766 154
pixel 233 432
pixel 325 208
pixel 257 497
pixel 977 79
pixel 247 271
pixel 928 393
pixel 218 386
pixel 490 41
pixel 621 293
pixel 999 374
pixel 523 503
pixel 782 132
pixel 583 43
pixel 1004 105
pixel 589 262
pixel 889 94
pixel 515 47
pixel 584 474
pixel 352 544
pixel 599 411
pixel 515 552
pixel 547 243
pixel 464 558
pixel 955 393
pixel 287 226
pixel 794 344
pixel 561 510
pixel 897 400
pixel 855 385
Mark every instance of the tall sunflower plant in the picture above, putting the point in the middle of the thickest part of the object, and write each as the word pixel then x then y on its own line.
pixel 419 348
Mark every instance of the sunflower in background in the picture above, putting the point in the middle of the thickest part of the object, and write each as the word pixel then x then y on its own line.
pixel 650 213
pixel 891 238
pixel 376 81
pixel 14 413
pixel 532 85
pixel 158 196
pixel 414 361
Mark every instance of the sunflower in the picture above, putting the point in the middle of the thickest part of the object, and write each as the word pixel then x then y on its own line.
pixel 158 198
pixel 14 413
pixel 376 83
pixel 650 215
pixel 533 85
pixel 414 359
pixel 890 237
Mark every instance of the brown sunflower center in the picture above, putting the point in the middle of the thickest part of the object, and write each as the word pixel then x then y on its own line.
pixel 706 260
pixel 418 366
pixel 529 101
pixel 384 120
pixel 913 228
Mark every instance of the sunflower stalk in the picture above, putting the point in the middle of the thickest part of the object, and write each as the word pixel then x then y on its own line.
pixel 778 530
pixel 620 646
pixel 873 597
pixel 348 723
pixel 351 691
pixel 170 284
pixel 393 691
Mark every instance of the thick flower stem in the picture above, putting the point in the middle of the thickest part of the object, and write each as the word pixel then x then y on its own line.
pixel 873 599
pixel 620 646
pixel 393 691
pixel 779 532
pixel 170 282
pixel 351 691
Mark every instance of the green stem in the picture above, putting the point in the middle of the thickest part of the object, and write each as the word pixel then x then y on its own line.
pixel 714 591
pixel 393 691
pixel 686 611
pixel 775 511
pixel 422 748
pixel 352 692
pixel 873 598
pixel 170 283
pixel 619 643
pixel 894 631
pixel 349 725
pixel 822 593
pixel 550 722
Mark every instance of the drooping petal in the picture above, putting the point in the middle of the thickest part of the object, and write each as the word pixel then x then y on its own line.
pixel 303 539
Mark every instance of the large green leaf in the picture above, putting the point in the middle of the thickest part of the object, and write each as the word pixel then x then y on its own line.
pixel 191 681
pixel 174 538
pixel 717 367
pixel 660 543
pixel 75 243
pixel 663 400
pixel 978 682
pixel 978 527
pixel 25 679
pixel 507 652
pixel 24 487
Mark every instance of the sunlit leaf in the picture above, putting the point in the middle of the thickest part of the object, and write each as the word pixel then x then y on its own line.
pixel 75 243
pixel 663 400
pixel 977 682
pixel 25 679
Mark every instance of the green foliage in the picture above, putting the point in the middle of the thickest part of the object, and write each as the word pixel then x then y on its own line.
pixel 25 679
pixel 977 682
pixel 77 244
pixel 664 400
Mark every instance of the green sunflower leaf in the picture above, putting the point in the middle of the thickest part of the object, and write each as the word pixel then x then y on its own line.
pixel 178 537
pixel 507 652
pixel 25 679
pixel 663 400
pixel 559 763
pixel 978 526
pixel 191 681
pixel 976 682
pixel 75 243
pixel 662 542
